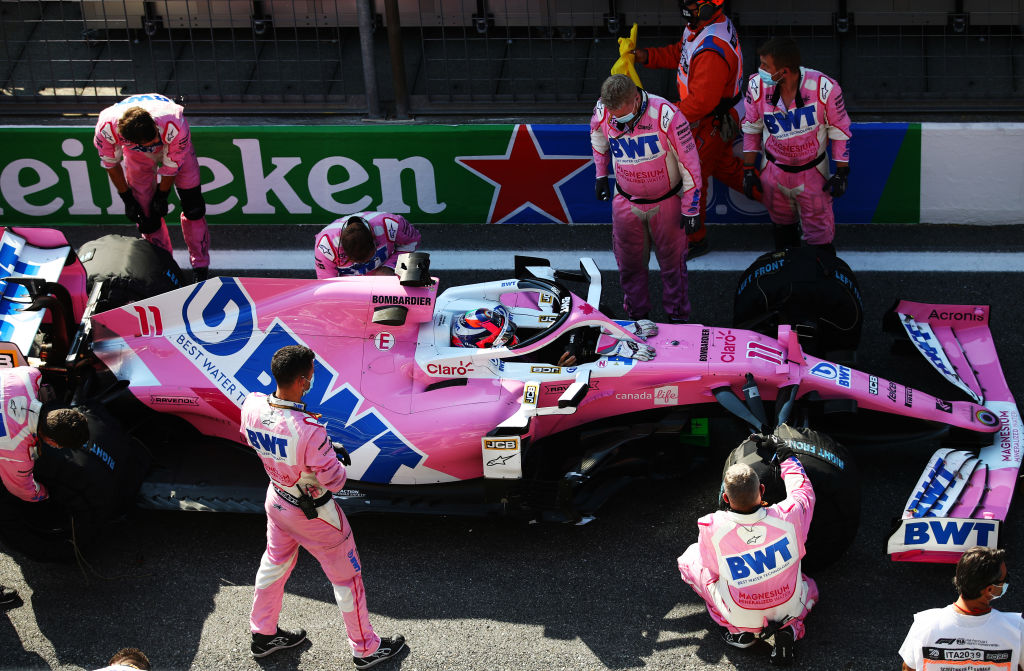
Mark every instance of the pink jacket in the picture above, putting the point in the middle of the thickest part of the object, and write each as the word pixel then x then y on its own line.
pixel 19 391
pixel 755 558
pixel 798 135
pixel 171 156
pixel 653 157
pixel 391 232
pixel 290 442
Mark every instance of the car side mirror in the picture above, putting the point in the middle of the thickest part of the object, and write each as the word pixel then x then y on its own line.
pixel 413 269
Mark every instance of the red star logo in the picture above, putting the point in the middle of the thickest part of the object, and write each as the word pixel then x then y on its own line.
pixel 525 177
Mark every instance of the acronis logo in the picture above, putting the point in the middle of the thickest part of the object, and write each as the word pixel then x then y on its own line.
pixel 225 345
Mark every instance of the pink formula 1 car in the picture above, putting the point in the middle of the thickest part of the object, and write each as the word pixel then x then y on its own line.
pixel 433 427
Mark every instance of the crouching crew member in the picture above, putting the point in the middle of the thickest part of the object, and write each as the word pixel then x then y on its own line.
pixel 746 561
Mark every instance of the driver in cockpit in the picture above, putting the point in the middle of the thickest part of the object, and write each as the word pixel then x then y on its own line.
pixel 494 327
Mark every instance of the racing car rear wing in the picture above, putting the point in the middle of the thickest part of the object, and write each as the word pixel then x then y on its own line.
pixel 961 499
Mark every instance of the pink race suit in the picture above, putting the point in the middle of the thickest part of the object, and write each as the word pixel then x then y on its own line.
pixel 173 157
pixel 657 180
pixel 795 165
pixel 746 567
pixel 392 234
pixel 19 390
pixel 293 445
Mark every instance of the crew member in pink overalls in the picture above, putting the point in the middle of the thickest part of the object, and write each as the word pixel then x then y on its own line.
pixel 657 179
pixel 27 422
pixel 143 140
pixel 365 243
pixel 304 469
pixel 746 561
pixel 793 113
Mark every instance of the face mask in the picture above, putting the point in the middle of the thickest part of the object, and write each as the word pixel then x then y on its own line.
pixel 1006 586
pixel 309 381
pixel 626 118
pixel 766 77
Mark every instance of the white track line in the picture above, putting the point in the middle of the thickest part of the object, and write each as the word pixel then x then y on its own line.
pixel 226 260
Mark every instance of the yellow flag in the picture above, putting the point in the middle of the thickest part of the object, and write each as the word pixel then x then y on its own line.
pixel 626 65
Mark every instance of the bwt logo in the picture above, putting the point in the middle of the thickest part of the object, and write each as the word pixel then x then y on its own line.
pixel 221 308
pixel 760 561
pixel 272 445
pixel 786 122
pixel 948 533
pixel 829 371
pixel 635 147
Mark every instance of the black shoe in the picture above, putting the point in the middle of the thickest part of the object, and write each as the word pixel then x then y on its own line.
pixel 389 647
pixel 675 319
pixel 200 275
pixel 9 599
pixel 265 644
pixel 699 248
pixel 783 652
pixel 743 639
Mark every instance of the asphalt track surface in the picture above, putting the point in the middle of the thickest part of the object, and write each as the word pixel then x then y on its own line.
pixel 495 595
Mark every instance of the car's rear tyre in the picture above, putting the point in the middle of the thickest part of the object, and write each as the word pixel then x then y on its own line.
pixel 88 488
pixel 836 482
pixel 808 287
pixel 131 269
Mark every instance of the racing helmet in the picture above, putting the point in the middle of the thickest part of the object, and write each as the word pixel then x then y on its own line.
pixel 484 328
pixel 704 10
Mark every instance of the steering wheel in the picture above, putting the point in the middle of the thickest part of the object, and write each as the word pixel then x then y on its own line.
pixel 562 298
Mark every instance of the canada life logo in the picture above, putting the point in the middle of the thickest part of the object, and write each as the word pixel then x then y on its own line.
pixel 668 395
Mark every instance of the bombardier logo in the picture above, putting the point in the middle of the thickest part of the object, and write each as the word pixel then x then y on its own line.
pixel 402 300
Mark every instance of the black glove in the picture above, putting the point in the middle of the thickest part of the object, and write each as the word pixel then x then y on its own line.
pixel 836 184
pixel 689 223
pixel 751 181
pixel 150 224
pixel 132 209
pixel 783 451
pixel 158 206
pixel 601 189
pixel 342 453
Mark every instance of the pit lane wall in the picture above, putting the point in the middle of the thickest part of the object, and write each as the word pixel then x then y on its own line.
pixel 901 173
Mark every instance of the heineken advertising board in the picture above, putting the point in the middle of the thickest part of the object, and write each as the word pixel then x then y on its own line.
pixel 470 174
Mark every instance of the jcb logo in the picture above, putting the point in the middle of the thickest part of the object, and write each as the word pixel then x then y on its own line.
pixel 546 319
pixel 530 394
pixel 553 370
pixel 501 443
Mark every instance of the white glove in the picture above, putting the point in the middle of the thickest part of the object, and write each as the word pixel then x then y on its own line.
pixel 308 479
pixel 643 328
pixel 630 350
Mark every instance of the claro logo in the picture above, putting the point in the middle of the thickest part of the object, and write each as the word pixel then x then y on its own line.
pixel 462 369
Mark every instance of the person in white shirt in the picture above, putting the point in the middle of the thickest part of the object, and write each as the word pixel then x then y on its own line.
pixel 968 634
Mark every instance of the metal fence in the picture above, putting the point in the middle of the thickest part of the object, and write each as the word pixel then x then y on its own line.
pixel 479 56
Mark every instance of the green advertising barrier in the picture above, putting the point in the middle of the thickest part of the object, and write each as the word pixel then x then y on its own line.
pixel 257 175
pixel 465 174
